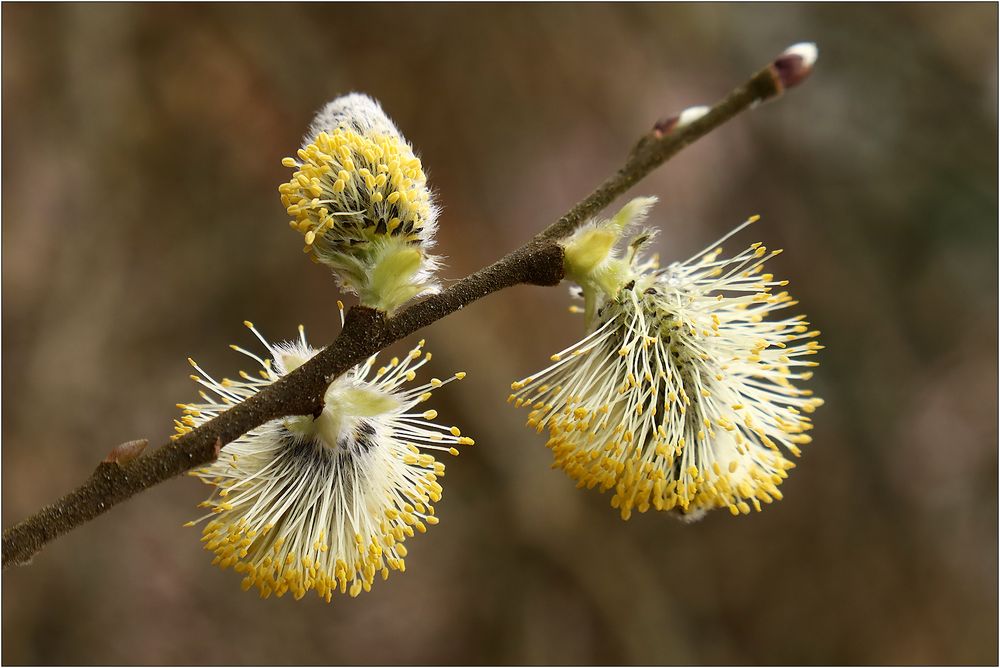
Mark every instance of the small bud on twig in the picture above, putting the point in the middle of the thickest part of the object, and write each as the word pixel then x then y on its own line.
pixel 690 115
pixel 126 452
pixel 686 117
pixel 795 64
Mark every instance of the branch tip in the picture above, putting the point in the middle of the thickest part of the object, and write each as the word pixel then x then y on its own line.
pixel 795 64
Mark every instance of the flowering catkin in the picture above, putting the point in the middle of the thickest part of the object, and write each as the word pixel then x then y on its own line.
pixel 323 503
pixel 359 197
pixel 681 397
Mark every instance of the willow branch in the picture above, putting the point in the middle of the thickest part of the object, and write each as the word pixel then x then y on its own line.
pixel 366 331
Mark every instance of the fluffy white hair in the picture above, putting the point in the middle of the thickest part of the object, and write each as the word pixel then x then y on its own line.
pixel 356 111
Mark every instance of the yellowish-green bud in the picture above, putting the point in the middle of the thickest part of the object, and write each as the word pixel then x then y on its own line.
pixel 590 258
pixel 392 280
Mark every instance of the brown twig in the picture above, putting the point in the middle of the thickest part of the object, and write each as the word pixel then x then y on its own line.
pixel 367 331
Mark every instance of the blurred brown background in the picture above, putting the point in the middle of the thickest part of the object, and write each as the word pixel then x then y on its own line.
pixel 141 224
